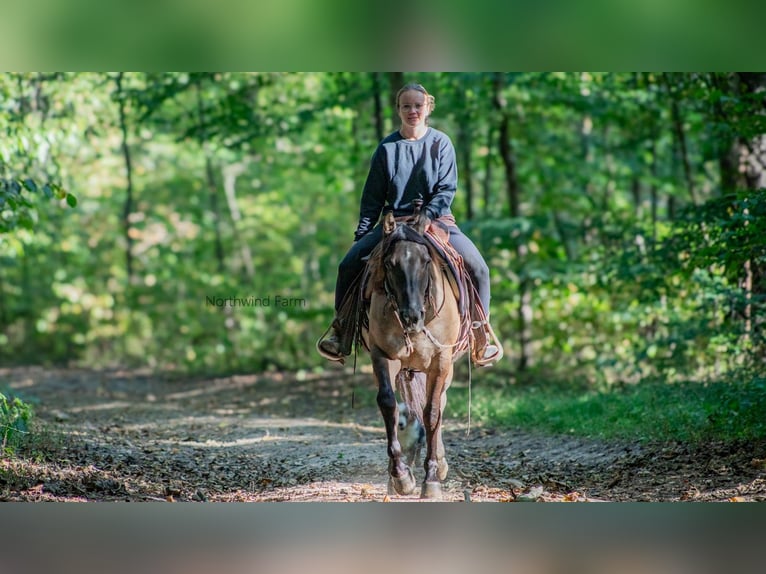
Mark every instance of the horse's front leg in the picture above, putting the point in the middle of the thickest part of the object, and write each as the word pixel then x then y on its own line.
pixel 435 462
pixel 441 457
pixel 401 477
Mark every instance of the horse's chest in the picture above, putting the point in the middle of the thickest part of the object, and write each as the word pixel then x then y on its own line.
pixel 414 351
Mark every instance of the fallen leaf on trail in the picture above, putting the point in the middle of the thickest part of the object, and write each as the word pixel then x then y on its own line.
pixel 386 498
pixel 690 494
pixel 366 489
pixel 736 499
pixel 532 496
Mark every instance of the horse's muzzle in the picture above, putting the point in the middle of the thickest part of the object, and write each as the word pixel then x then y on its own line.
pixel 413 320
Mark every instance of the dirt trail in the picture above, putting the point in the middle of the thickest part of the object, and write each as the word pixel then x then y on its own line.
pixel 126 435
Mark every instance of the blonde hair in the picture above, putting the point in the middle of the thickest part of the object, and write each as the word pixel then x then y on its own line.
pixel 430 100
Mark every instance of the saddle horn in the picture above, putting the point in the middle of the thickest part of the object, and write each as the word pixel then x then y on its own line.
pixel 419 219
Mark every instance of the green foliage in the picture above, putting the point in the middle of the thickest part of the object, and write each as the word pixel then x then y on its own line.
pixel 18 209
pixel 247 185
pixel 15 416
pixel 28 167
pixel 651 411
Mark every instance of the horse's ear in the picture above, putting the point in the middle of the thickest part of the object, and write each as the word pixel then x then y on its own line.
pixel 389 223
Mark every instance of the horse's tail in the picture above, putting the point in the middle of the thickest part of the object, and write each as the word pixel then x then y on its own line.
pixel 412 390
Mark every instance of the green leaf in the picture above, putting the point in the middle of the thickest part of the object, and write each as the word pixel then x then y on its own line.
pixel 71 200
pixel 30 184
pixel 47 190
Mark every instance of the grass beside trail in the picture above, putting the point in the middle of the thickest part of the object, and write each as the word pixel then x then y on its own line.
pixel 690 411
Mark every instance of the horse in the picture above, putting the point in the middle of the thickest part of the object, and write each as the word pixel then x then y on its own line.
pixel 413 333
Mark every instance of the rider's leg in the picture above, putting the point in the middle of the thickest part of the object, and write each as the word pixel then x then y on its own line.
pixel 350 267
pixel 479 271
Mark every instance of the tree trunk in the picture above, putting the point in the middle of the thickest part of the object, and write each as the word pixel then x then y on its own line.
pixel 742 162
pixel 747 285
pixel 396 82
pixel 465 143
pixel 512 189
pixel 680 135
pixel 728 161
pixel 214 209
pixel 611 172
pixel 488 170
pixel 230 174
pixel 505 147
pixel 653 190
pixel 128 205
pixel 211 186
pixel 752 167
pixel 635 190
pixel 525 320
pixel 378 103
pixel 752 152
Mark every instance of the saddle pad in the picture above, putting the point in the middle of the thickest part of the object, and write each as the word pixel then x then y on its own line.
pixel 455 271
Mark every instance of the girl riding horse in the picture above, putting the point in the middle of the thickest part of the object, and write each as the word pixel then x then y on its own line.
pixel 416 162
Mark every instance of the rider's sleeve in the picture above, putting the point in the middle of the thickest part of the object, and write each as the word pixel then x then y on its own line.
pixel 373 195
pixel 446 185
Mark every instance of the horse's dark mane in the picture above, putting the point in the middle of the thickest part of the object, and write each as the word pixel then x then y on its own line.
pixel 405 233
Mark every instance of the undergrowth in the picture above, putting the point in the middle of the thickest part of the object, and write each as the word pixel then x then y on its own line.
pixel 15 416
pixel 687 411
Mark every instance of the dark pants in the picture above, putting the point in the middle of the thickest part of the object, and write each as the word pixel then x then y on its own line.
pixel 352 263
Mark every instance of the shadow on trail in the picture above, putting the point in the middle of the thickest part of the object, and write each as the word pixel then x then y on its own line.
pixel 145 436
pixel 132 435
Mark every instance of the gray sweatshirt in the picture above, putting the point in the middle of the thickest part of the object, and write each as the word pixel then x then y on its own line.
pixel 402 171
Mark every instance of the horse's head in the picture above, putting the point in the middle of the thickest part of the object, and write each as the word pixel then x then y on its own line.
pixel 407 267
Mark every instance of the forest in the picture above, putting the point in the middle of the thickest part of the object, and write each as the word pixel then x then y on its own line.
pixel 620 214
pixel 166 236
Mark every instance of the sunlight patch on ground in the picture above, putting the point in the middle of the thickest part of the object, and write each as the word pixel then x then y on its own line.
pixel 244 441
pixel 102 406
pixel 245 422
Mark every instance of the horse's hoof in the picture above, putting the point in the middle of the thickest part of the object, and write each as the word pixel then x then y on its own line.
pixel 431 490
pixel 404 485
pixel 442 470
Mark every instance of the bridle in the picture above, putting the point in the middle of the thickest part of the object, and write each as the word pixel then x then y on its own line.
pixel 427 297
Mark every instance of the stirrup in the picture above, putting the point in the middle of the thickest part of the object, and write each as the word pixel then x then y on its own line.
pixel 327 354
pixel 492 358
pixel 338 357
pixel 492 341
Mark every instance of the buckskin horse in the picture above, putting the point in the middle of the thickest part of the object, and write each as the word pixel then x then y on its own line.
pixel 413 337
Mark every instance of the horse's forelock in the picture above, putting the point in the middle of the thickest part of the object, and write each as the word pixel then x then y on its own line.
pixel 405 233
